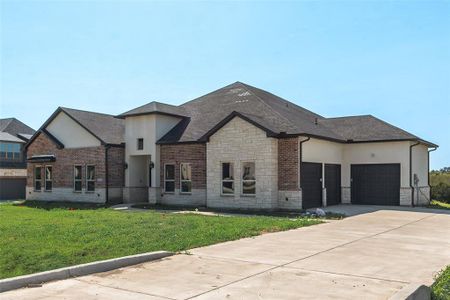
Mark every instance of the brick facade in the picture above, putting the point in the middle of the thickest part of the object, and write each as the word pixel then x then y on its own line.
pixel 195 154
pixel 66 159
pixel 288 168
pixel 116 163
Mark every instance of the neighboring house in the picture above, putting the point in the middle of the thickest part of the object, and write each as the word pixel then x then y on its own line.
pixel 13 167
pixel 245 148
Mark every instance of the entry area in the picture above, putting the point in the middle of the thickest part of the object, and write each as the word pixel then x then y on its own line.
pixel 376 184
pixel 138 178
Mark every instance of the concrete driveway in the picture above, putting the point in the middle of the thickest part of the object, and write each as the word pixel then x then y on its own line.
pixel 371 255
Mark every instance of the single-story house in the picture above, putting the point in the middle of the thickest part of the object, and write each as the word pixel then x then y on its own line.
pixel 13 166
pixel 238 147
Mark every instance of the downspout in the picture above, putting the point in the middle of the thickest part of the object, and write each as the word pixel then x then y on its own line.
pixel 301 158
pixel 429 185
pixel 106 175
pixel 410 172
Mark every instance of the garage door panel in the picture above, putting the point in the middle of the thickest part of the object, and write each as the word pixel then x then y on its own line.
pixel 12 188
pixel 333 183
pixel 377 184
pixel 310 179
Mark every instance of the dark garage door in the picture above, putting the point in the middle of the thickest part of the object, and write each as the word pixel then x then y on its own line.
pixel 333 183
pixel 310 180
pixel 12 188
pixel 377 184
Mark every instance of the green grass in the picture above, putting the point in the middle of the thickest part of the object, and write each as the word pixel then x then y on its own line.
pixel 439 204
pixel 440 290
pixel 38 237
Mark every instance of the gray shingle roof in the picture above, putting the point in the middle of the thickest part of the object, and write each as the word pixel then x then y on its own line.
pixel 15 127
pixel 368 128
pixel 7 137
pixel 270 111
pixel 155 107
pixel 107 128
pixel 275 115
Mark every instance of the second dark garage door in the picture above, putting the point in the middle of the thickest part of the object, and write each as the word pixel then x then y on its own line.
pixel 376 184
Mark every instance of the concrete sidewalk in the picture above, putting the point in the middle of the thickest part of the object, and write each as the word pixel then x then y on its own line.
pixel 370 256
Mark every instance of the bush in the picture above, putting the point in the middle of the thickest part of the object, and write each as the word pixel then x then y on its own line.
pixel 440 186
pixel 441 192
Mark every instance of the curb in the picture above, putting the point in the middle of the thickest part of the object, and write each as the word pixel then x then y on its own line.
pixel 413 291
pixel 80 270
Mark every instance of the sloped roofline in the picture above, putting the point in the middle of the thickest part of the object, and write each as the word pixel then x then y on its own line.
pixel 51 118
pixel 270 133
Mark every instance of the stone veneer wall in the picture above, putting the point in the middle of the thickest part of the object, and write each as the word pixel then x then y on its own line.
pixel 424 195
pixel 195 154
pixel 63 171
pixel 405 196
pixel 239 141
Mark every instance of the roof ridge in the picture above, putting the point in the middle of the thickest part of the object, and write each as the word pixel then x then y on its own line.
pixel 352 116
pixel 195 99
pixel 288 102
pixel 86 111
pixel 270 107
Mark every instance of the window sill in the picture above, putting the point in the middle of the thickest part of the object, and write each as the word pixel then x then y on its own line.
pixel 248 195
pixel 78 192
pixel 48 191
pixel 227 195
pixel 185 193
pixel 37 191
pixel 90 192
pixel 169 193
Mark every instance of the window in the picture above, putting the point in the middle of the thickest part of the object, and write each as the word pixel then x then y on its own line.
pixel 48 178
pixel 186 178
pixel 227 179
pixel 10 151
pixel 77 185
pixel 248 178
pixel 90 178
pixel 37 178
pixel 169 178
pixel 140 144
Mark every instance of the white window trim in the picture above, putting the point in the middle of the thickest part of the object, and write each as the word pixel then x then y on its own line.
pixel 181 180
pixel 227 180
pixel 90 180
pixel 45 178
pixel 242 180
pixel 169 180
pixel 34 177
pixel 75 180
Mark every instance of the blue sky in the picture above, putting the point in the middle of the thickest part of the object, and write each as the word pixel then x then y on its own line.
pixel 336 58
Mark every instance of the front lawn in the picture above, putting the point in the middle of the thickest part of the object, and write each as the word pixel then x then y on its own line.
pixel 37 237
pixel 440 290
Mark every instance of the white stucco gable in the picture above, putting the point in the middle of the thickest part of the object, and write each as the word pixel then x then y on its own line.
pixel 70 133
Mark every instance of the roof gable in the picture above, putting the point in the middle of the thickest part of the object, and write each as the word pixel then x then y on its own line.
pixel 154 108
pixel 105 128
